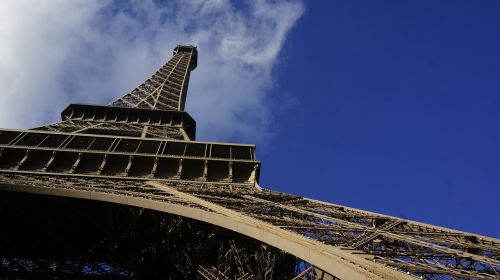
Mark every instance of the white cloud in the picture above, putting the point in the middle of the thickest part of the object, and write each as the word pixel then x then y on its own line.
pixel 55 52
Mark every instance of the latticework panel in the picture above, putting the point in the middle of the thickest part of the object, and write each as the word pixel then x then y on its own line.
pixel 418 249
pixel 48 237
pixel 166 89
pixel 41 237
pixel 111 128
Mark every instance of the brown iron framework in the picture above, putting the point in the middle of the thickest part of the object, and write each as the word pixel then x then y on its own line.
pixel 139 156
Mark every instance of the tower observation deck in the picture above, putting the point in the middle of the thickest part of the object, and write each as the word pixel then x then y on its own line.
pixel 125 191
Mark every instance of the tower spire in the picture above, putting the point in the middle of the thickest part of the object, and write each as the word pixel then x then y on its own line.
pixel 167 88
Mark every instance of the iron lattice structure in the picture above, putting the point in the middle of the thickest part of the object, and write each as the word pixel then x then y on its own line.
pixel 125 191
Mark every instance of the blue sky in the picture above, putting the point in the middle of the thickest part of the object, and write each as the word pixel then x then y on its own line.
pixel 396 110
pixel 387 106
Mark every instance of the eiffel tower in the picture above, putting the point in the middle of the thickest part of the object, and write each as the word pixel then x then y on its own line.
pixel 124 191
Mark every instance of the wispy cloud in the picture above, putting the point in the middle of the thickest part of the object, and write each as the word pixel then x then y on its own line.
pixel 54 52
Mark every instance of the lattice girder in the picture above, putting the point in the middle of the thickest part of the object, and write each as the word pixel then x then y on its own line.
pixel 167 88
pixel 425 258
